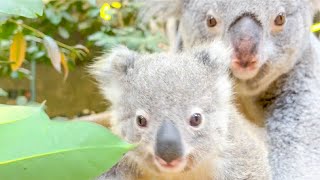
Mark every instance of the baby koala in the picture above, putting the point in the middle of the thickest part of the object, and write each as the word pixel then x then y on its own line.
pixel 179 109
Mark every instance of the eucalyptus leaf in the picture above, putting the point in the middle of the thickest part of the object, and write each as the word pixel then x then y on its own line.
pixel 53 52
pixel 93 2
pixel 34 147
pixel 63 32
pixel 26 8
pixel 54 17
pixel 3 18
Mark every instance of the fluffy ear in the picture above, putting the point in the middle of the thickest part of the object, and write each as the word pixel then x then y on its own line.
pixel 216 55
pixel 162 9
pixel 110 69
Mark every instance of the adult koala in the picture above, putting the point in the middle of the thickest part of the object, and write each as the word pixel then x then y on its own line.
pixel 276 64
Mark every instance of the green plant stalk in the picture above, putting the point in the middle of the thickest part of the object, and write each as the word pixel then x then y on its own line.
pixel 6 62
pixel 41 34
pixel 33 88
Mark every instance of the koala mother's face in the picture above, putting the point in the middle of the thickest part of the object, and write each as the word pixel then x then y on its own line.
pixel 175 108
pixel 266 35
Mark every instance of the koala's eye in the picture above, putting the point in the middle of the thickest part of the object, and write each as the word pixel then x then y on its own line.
pixel 211 21
pixel 141 121
pixel 280 19
pixel 195 120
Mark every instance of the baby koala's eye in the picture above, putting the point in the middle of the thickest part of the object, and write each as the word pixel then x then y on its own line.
pixel 280 19
pixel 211 21
pixel 195 120
pixel 141 121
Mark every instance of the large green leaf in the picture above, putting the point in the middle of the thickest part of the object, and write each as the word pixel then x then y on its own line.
pixel 26 8
pixel 36 148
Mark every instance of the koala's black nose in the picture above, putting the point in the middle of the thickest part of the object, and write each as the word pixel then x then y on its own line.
pixel 168 142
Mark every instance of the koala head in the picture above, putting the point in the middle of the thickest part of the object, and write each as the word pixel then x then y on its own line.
pixel 176 107
pixel 267 36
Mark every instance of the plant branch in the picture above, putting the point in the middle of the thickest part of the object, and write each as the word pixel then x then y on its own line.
pixel 6 62
pixel 41 34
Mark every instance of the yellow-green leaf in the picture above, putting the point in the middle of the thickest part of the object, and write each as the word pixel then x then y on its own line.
pixel 17 51
pixel 65 66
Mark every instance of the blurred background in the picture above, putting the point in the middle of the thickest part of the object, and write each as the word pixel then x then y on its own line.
pixel 50 65
pixel 44 58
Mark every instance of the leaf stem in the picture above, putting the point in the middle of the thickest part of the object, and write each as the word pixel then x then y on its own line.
pixel 6 62
pixel 41 34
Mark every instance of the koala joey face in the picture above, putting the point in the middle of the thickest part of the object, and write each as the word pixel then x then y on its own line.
pixel 267 36
pixel 175 107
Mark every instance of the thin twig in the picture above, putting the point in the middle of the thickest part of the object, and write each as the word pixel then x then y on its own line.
pixel 6 62
pixel 42 35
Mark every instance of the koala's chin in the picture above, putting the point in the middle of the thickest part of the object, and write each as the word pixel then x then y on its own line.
pixel 244 74
pixel 160 167
pixel 252 82
pixel 253 79
pixel 177 167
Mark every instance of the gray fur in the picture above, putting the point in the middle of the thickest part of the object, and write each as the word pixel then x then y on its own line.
pixel 286 90
pixel 172 87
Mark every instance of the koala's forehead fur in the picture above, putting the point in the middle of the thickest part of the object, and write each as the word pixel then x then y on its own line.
pixel 166 84
pixel 194 14
pixel 237 7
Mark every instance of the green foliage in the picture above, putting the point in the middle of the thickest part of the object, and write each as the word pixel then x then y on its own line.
pixel 26 8
pixel 75 22
pixel 33 147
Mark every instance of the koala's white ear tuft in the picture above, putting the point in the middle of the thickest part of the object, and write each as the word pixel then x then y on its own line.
pixel 162 9
pixel 115 63
pixel 216 54
pixel 109 69
pixel 221 53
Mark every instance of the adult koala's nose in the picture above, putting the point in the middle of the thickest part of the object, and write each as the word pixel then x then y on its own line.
pixel 245 34
pixel 168 147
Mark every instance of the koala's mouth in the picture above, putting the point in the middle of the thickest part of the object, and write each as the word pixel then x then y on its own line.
pixel 246 71
pixel 256 84
pixel 175 166
pixel 181 165
pixel 251 75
